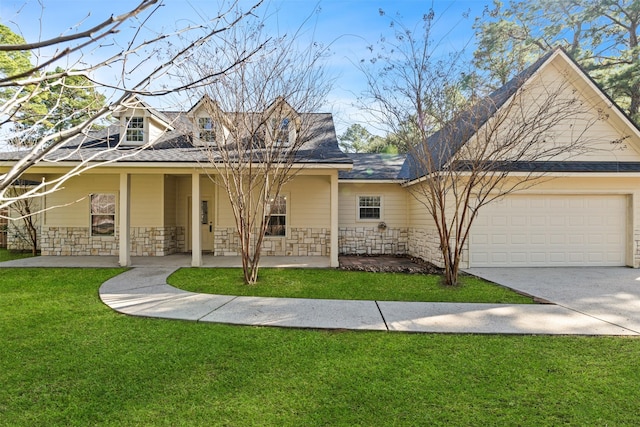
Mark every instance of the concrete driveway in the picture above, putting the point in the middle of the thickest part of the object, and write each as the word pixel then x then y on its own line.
pixel 611 294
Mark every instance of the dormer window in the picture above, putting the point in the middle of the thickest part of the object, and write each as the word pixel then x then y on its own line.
pixel 206 129
pixel 281 130
pixel 135 129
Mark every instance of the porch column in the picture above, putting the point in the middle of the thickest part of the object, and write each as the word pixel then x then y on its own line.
pixel 124 248
pixel 196 244
pixel 334 220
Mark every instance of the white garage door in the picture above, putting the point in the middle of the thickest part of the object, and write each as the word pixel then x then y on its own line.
pixel 520 231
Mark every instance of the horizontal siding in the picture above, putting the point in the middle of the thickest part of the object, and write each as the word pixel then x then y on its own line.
pixel 170 198
pixel 310 202
pixel 71 205
pixel 147 194
pixel 394 204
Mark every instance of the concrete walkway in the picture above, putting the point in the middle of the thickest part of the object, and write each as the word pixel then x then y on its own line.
pixel 144 292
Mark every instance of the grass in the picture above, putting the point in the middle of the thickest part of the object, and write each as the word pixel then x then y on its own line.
pixel 68 360
pixel 337 284
pixel 6 255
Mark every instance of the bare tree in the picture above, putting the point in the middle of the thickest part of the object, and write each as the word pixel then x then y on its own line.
pixel 259 125
pixel 130 50
pixel 23 216
pixel 465 150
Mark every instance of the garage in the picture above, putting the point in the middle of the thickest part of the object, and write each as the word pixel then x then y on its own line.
pixel 550 230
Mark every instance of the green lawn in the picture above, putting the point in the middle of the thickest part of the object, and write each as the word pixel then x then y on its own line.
pixel 337 284
pixel 6 255
pixel 68 360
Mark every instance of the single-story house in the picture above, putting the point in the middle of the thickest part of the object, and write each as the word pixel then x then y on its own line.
pixel 161 200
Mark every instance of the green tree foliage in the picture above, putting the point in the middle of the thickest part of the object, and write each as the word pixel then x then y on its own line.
pixel 602 35
pixel 12 63
pixel 59 101
pixel 357 139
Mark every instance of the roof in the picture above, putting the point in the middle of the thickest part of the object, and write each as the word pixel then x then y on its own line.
pixel 374 166
pixel 562 166
pixel 175 146
pixel 463 127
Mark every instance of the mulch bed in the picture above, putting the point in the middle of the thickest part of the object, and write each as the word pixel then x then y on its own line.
pixel 387 264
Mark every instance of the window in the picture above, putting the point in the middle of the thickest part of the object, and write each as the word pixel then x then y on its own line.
pixel 206 129
pixel 135 129
pixel 103 214
pixel 281 130
pixel 369 207
pixel 277 208
pixel 204 212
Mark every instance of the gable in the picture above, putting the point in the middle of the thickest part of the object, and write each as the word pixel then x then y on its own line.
pixel 152 124
pixel 569 111
pixel 550 106
pixel 607 135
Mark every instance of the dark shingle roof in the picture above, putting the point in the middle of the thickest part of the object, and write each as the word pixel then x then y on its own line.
pixel 443 144
pixel 374 166
pixel 175 145
pixel 561 166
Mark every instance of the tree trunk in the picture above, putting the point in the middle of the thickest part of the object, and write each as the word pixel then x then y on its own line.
pixel 450 267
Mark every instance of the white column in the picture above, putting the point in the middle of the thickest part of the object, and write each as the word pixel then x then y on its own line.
pixel 196 243
pixel 334 219
pixel 124 249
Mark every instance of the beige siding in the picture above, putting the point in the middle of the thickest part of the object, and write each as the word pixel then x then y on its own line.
pixel 224 214
pixel 155 130
pixel 72 203
pixel 147 195
pixel 394 200
pixel 170 198
pixel 183 191
pixel 591 131
pixel 310 202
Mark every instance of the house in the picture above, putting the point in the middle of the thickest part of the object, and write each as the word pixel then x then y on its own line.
pixel 160 200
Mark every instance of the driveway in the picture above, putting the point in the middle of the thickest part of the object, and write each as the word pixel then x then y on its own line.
pixel 611 294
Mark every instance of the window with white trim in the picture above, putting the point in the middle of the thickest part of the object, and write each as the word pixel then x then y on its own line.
pixel 281 130
pixel 369 207
pixel 206 129
pixel 134 129
pixel 103 214
pixel 277 212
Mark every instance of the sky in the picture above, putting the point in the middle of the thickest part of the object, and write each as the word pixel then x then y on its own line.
pixel 347 26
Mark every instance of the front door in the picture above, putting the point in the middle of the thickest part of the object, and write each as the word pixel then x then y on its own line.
pixel 206 224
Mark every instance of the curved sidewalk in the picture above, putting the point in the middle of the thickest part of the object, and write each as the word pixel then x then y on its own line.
pixel 143 291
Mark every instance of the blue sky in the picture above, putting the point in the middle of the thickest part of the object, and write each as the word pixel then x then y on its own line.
pixel 348 25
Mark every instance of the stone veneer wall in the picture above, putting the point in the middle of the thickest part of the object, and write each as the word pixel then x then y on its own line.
pixel 18 236
pixel 373 241
pixel 145 241
pixel 636 250
pixel 156 241
pixel 425 244
pixel 299 242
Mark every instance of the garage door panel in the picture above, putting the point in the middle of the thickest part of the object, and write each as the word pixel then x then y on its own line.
pixel 547 230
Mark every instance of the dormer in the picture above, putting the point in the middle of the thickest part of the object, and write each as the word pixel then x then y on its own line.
pixel 210 123
pixel 139 123
pixel 283 123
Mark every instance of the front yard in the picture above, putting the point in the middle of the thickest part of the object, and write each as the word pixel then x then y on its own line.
pixel 67 359
pixel 337 284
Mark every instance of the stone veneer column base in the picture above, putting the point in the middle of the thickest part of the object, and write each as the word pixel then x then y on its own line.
pixel 155 241
pixel 373 241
